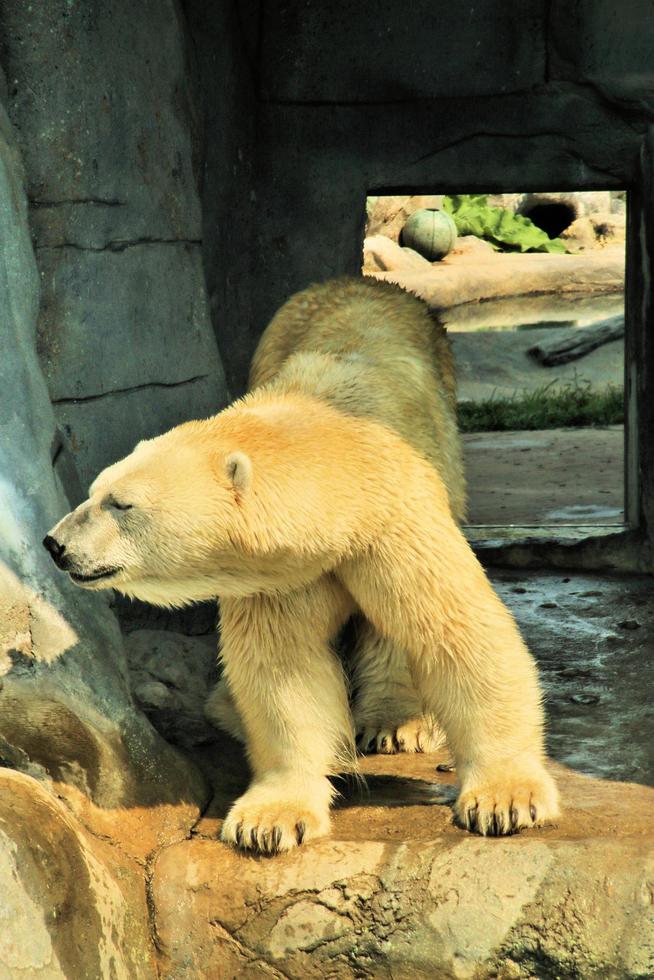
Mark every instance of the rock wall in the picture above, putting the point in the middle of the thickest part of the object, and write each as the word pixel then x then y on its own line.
pixel 100 97
pixel 224 44
pixel 92 771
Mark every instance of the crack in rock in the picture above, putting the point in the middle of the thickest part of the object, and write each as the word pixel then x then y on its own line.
pixel 118 244
pixel 250 955
pixel 94 201
pixel 126 391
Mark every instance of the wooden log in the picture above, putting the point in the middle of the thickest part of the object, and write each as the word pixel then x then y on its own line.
pixel 568 345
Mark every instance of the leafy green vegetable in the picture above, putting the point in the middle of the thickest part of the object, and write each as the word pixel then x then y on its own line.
pixel 472 215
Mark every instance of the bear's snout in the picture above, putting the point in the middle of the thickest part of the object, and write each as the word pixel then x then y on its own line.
pixel 57 550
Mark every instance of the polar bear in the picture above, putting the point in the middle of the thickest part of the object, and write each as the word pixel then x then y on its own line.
pixel 370 348
pixel 296 514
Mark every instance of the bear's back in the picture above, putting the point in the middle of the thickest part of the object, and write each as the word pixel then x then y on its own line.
pixel 370 349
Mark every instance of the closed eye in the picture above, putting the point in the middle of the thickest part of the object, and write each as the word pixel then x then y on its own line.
pixel 116 504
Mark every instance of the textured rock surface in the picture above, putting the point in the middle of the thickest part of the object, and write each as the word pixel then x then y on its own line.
pixel 105 119
pixel 399 892
pixel 382 254
pixel 224 40
pixel 593 44
pixel 65 701
pixel 398 59
pixel 171 676
pixel 72 905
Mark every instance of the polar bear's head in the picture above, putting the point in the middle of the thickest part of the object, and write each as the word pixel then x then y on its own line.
pixel 160 525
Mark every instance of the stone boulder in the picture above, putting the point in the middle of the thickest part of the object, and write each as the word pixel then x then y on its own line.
pixel 73 905
pixel 579 235
pixel 472 249
pixel 399 892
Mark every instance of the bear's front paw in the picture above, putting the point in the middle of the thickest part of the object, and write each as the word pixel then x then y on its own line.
pixel 270 818
pixel 507 800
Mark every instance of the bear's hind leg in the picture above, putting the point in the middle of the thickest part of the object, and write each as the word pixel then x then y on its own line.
pixel 388 715
pixel 221 711
pixel 289 688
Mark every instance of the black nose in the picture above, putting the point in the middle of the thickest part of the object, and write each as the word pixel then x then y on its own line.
pixel 56 550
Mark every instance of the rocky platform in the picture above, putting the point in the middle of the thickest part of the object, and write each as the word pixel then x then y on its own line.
pixel 397 892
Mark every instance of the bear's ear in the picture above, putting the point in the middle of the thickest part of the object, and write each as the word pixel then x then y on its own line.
pixel 239 471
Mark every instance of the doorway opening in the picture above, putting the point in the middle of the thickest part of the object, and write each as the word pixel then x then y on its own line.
pixel 531 290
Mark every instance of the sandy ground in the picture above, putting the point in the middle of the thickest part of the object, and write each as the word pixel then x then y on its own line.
pixel 558 476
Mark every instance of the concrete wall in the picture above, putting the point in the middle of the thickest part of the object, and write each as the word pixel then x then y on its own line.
pixel 434 96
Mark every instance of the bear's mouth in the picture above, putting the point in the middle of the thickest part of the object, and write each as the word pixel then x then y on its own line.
pixel 95 576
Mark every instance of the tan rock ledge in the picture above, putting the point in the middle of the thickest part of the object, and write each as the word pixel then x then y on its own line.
pixel 476 274
pixel 399 893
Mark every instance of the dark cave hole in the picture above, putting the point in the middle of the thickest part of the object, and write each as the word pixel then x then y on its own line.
pixel 551 218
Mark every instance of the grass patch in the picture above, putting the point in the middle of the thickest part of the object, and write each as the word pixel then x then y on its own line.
pixel 553 406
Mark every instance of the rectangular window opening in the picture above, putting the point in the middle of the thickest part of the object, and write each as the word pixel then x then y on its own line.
pixel 530 287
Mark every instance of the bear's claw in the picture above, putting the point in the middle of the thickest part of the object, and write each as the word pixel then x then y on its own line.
pixel 415 735
pixel 507 804
pixel 266 823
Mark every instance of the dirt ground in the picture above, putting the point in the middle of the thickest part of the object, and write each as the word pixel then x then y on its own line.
pixel 557 476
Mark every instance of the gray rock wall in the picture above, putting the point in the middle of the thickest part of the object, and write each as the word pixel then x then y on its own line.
pixel 100 97
pixel 66 713
pixel 224 44
pixel 348 52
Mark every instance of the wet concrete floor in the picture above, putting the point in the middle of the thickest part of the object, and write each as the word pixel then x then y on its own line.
pixel 593 637
pixel 556 476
